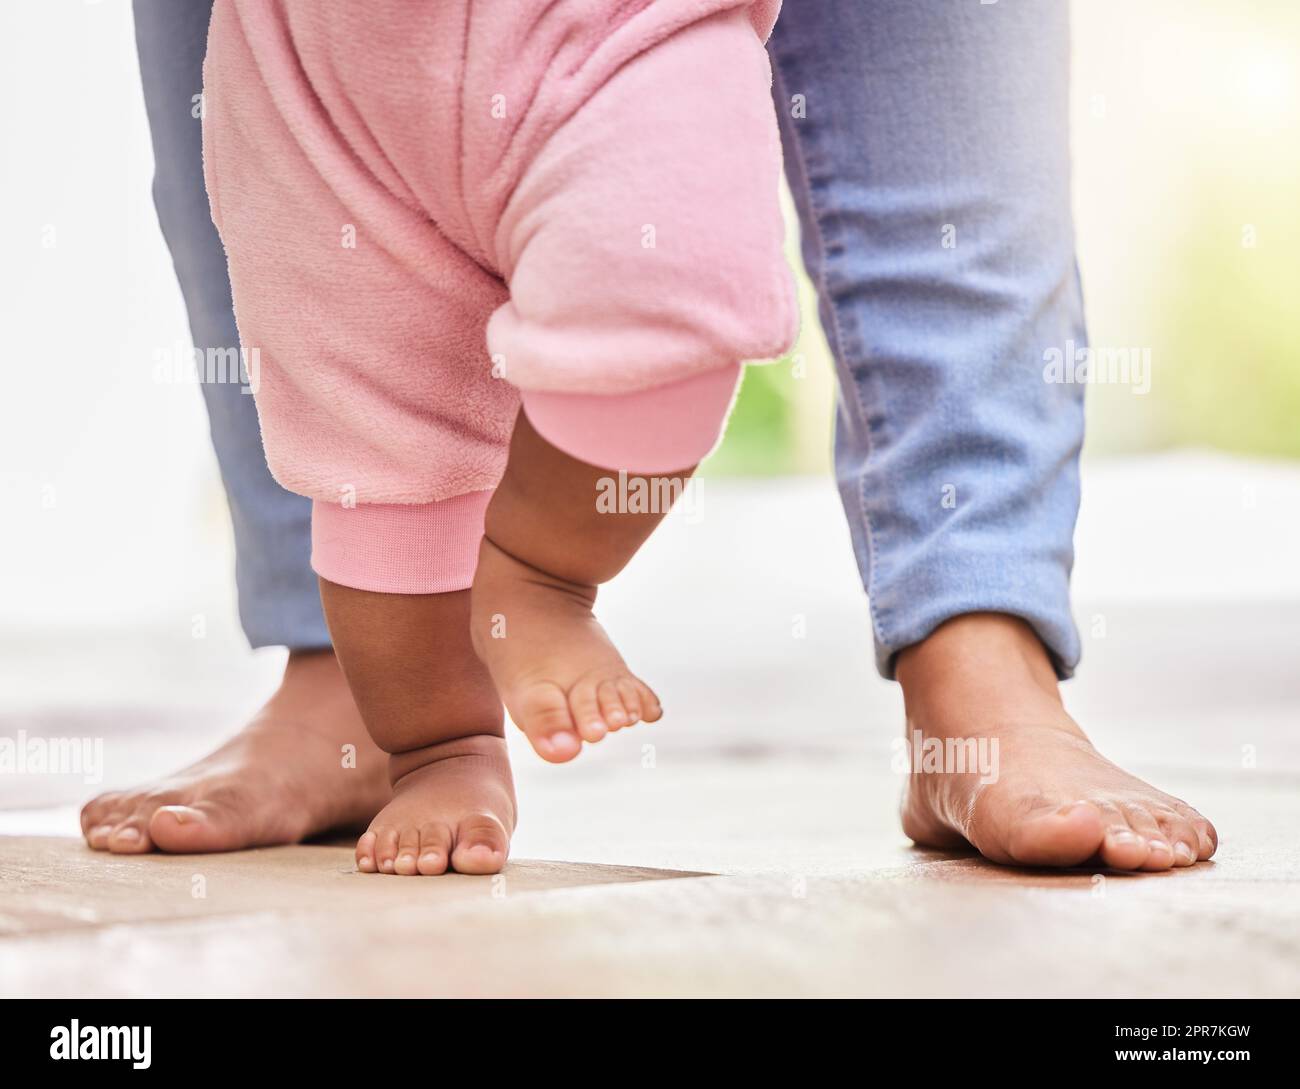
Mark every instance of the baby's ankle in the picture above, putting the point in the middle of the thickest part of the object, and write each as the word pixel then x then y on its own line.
pixel 487 749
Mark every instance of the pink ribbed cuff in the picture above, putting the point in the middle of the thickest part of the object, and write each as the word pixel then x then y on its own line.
pixel 658 430
pixel 397 548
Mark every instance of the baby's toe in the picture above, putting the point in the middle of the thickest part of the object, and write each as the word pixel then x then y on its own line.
pixel 366 853
pixel 546 720
pixel 386 850
pixel 651 709
pixel 631 697
pixel 481 845
pixel 408 851
pixel 585 709
pixel 611 705
pixel 435 849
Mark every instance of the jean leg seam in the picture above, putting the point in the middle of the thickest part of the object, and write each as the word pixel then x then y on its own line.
pixel 836 335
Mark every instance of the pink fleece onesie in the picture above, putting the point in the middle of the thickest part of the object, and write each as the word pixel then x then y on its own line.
pixel 433 208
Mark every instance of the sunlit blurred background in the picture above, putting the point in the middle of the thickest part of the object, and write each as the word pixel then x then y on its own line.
pixel 1186 135
pixel 1187 203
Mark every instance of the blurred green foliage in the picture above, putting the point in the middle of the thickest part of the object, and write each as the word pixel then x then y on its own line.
pixel 1232 330
pixel 759 439
pixel 781 422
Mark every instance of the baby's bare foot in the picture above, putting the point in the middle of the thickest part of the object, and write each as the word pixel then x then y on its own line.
pixel 283 778
pixel 1054 800
pixel 558 674
pixel 453 807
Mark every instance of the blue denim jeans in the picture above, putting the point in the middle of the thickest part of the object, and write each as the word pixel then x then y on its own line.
pixel 279 602
pixel 927 148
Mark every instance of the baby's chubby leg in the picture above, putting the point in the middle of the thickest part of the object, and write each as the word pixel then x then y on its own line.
pixel 427 701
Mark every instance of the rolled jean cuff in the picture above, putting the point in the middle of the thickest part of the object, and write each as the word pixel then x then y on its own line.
pixel 399 548
pixel 657 430
pixel 1043 603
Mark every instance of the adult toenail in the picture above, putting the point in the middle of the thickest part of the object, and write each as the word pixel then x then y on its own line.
pixel 184 814
pixel 1184 852
pixel 127 835
pixel 101 830
pixel 1122 835
pixel 1158 845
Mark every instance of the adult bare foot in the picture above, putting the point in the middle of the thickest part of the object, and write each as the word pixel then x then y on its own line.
pixel 1053 800
pixel 284 777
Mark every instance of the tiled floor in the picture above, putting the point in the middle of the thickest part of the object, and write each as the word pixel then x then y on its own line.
pixel 746 845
